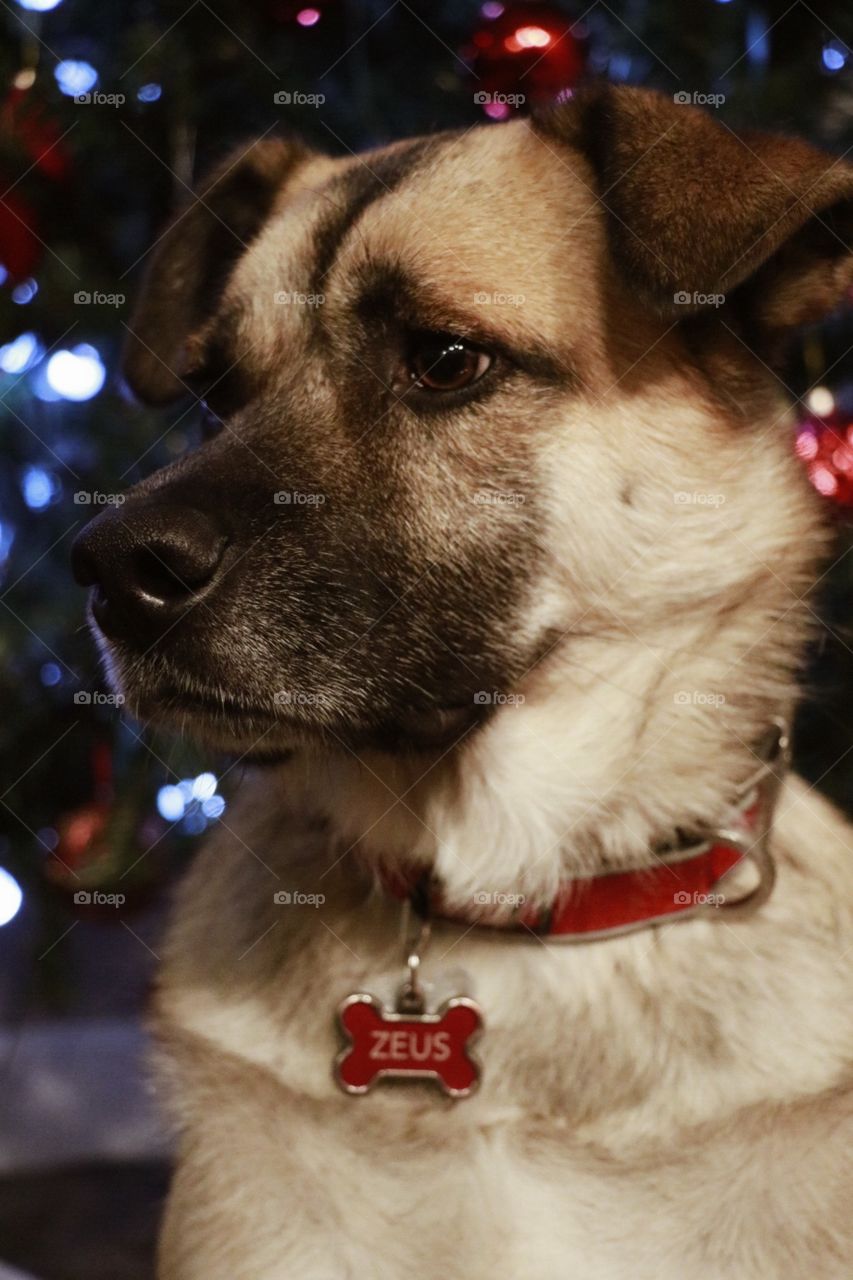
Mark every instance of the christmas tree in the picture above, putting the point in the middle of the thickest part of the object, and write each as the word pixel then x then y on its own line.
pixel 109 115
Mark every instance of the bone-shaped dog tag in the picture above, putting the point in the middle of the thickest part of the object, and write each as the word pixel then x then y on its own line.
pixel 408 1046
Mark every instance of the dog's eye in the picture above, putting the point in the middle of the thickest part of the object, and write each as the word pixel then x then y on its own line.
pixel 442 362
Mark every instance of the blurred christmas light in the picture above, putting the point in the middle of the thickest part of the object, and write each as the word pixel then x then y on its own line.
pixel 491 9
pixel 149 93
pixel 528 38
pixel 21 353
pixel 757 39
pixel 821 401
pixel 39 6
pixel 25 292
pixel 308 17
pixel 170 803
pixel 214 807
pixel 195 823
pixel 78 374
pixel 11 896
pixel 4 274
pixel 39 488
pixel 50 674
pixel 74 77
pixel 7 538
pixel 834 56
pixel 204 786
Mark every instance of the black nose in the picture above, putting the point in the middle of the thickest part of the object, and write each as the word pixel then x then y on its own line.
pixel 148 565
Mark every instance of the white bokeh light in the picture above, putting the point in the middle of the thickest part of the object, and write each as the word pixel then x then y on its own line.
pixel 11 896
pixel 76 375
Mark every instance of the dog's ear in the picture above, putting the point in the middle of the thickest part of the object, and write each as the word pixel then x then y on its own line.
pixel 193 259
pixel 695 211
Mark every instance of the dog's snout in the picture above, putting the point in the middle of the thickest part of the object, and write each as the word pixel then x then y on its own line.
pixel 147 565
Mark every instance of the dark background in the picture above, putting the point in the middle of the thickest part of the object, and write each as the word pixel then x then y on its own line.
pixel 90 803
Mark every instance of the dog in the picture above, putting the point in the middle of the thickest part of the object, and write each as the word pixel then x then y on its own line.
pixel 495 563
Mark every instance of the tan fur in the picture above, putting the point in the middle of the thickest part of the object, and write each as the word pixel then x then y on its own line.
pixel 667 1105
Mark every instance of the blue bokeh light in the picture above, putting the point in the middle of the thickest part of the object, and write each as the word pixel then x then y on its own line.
pixel 21 353
pixel 75 77
pixel 170 803
pixel 39 488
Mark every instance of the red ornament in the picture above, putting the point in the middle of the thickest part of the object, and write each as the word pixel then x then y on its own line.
pixel 825 445
pixel 527 53
pixel 20 247
pixel 26 124
pixel 31 146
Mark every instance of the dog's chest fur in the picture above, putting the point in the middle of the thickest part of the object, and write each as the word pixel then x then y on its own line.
pixel 664 1105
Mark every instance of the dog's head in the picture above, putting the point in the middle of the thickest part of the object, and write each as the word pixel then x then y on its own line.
pixel 455 386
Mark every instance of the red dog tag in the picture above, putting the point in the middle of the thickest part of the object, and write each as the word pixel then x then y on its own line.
pixel 408 1046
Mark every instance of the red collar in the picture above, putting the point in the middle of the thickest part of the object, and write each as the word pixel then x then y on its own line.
pixel 687 881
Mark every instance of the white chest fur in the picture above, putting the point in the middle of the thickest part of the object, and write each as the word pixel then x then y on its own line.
pixel 662 1105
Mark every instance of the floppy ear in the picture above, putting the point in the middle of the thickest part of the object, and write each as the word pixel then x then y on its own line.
pixel 193 259
pixel 695 210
